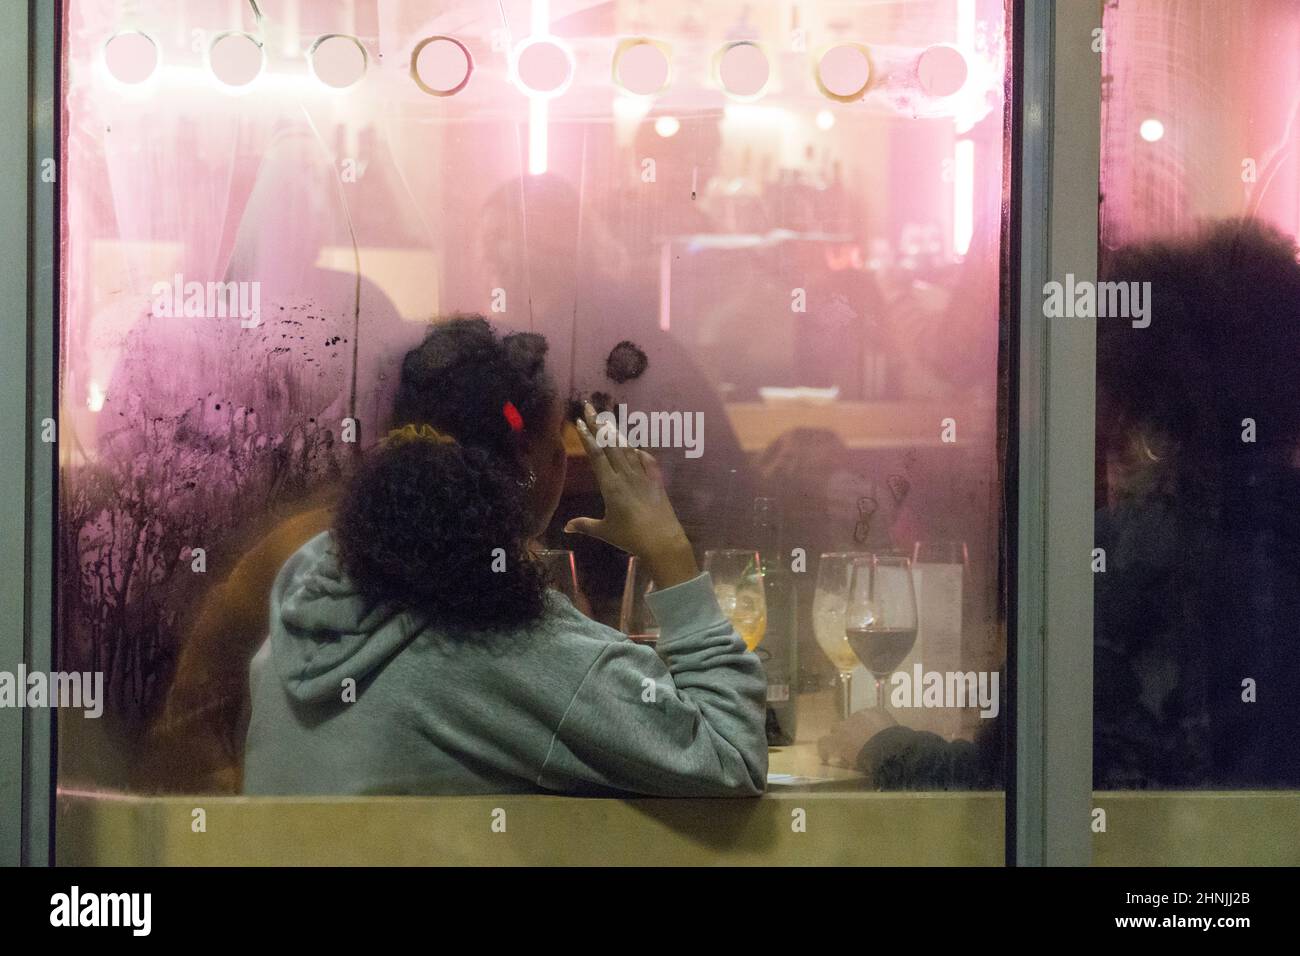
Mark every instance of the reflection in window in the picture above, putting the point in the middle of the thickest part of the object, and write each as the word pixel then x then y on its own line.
pixel 1197 437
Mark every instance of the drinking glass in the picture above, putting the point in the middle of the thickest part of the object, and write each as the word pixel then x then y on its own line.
pixel 634 617
pixel 738 583
pixel 830 600
pixel 880 615
pixel 941 552
pixel 561 572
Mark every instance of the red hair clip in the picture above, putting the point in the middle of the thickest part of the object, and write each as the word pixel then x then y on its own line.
pixel 512 415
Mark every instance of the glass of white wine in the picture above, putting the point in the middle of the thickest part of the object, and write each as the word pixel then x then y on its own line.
pixel 738 583
pixel 834 570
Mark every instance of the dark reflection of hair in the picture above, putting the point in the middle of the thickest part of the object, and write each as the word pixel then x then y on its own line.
pixel 1199 515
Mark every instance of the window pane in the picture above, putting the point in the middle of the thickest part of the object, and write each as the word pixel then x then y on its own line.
pixel 1197 481
pixel 768 239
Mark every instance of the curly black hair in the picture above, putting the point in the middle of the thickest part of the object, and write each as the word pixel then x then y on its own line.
pixel 425 524
pixel 1223 344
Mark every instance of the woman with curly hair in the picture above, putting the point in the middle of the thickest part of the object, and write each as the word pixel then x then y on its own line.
pixel 415 647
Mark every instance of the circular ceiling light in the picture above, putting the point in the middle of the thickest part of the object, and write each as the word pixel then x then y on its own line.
pixel 441 66
pixel 743 70
pixel 667 126
pixel 1152 130
pixel 844 72
pixel 543 67
pixel 942 70
pixel 236 59
pixel 339 61
pixel 131 57
pixel 641 66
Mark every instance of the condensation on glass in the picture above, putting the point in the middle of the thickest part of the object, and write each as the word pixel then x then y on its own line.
pixel 793 211
pixel 1198 585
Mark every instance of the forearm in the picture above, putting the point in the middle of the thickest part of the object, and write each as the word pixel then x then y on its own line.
pixel 672 562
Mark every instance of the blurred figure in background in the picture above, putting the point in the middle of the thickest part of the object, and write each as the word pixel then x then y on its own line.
pixel 1196 658
pixel 1198 437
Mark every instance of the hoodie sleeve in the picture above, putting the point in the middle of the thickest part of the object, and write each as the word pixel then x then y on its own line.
pixel 687 720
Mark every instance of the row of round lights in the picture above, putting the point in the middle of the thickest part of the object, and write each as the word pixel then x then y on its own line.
pixel 541 66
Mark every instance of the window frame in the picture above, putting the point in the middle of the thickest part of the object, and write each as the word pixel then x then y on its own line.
pixel 1056 173
pixel 1055 168
pixel 28 394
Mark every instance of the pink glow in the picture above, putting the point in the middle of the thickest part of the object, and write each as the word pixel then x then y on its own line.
pixel 360 205
pixel 1222 83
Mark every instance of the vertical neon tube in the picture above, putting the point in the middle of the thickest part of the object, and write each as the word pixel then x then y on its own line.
pixel 537 135
pixel 963 196
pixel 963 188
pixel 966 26
pixel 665 285
pixel 538 112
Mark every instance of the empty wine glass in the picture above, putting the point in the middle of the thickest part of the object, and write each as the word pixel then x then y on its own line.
pixel 830 601
pixel 634 617
pixel 880 615
pixel 941 552
pixel 738 584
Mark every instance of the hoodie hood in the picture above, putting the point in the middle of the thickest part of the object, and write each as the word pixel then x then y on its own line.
pixel 323 631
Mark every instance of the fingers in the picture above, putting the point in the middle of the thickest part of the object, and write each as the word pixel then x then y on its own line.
pixel 591 527
pixel 600 464
pixel 614 444
pixel 647 462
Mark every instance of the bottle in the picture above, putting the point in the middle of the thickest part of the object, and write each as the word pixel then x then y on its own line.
pixel 779 651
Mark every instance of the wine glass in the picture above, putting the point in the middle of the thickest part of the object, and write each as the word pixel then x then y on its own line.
pixel 738 584
pixel 829 604
pixel 880 615
pixel 941 552
pixel 634 617
pixel 561 572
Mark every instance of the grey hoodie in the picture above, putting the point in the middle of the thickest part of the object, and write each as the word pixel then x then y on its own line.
pixel 349 698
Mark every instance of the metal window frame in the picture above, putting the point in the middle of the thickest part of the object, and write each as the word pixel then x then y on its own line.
pixel 1055 194
pixel 1057 173
pixel 28 275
